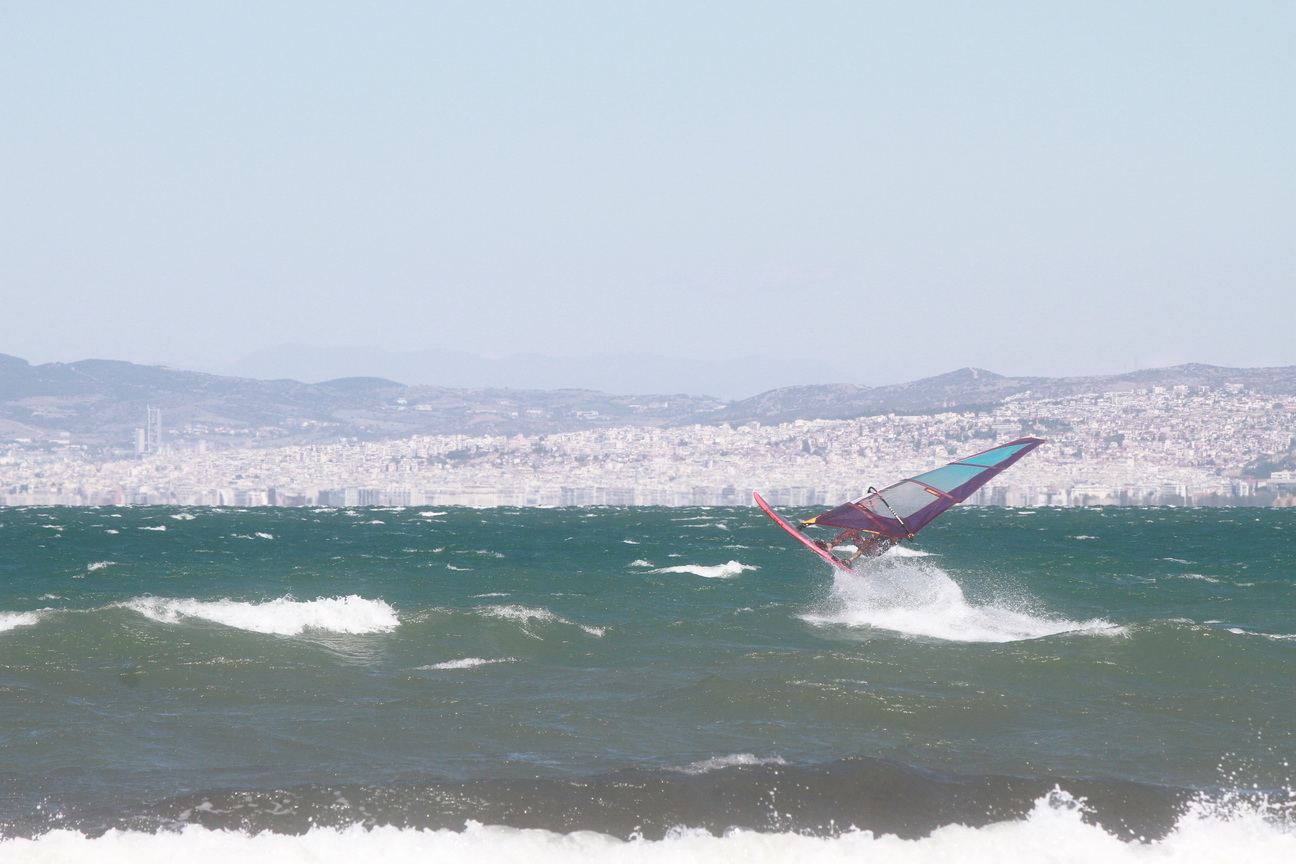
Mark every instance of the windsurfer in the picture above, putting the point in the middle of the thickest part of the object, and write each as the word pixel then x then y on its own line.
pixel 870 546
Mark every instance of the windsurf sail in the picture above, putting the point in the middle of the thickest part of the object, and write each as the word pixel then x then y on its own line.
pixel 903 509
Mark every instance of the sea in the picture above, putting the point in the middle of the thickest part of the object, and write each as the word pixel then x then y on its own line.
pixel 644 684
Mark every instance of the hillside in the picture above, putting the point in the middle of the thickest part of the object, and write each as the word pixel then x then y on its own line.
pixel 99 403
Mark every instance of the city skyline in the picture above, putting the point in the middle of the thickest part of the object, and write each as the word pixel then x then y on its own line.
pixel 1180 445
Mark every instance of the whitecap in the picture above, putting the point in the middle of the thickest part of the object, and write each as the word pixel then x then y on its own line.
pixel 527 614
pixel 715 763
pixel 99 565
pixel 907 552
pixel 284 616
pixel 1054 830
pixel 639 562
pixel 153 527
pixel 715 571
pixel 10 620
pixel 467 663
pixel 1198 576
pixel 183 516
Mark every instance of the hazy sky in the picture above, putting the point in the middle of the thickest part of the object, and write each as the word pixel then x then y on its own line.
pixel 892 189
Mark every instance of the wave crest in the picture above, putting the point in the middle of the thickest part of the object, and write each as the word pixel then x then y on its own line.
pixel 10 620
pixel 285 616
pixel 717 571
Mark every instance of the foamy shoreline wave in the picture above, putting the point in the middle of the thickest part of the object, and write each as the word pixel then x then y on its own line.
pixel 1054 830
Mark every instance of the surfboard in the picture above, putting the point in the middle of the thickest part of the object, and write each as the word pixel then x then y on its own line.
pixel 806 541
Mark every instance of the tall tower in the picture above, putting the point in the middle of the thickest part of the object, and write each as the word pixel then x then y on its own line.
pixel 149 439
pixel 153 430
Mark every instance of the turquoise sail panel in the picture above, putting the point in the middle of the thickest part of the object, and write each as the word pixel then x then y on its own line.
pixel 950 477
pixel 993 457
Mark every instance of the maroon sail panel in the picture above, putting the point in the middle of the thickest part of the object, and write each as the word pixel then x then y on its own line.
pixel 903 509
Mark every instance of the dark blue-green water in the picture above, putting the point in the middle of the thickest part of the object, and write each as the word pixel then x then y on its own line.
pixel 633 670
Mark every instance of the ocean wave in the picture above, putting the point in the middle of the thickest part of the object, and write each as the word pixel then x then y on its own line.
pixel 715 571
pixel 1277 637
pixel 467 663
pixel 716 763
pixel 525 615
pixel 1055 830
pixel 922 600
pixel 98 565
pixel 285 616
pixel 10 620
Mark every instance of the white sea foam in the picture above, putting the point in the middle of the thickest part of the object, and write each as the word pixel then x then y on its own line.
pixel 99 565
pixel 1054 831
pixel 468 663
pixel 526 615
pixel 183 516
pixel 639 562
pixel 713 571
pixel 715 763
pixel 153 527
pixel 907 552
pixel 919 599
pixel 284 616
pixel 1277 637
pixel 10 620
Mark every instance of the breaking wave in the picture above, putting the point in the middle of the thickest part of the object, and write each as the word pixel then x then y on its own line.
pixel 467 663
pixel 716 571
pixel 10 620
pixel 715 763
pixel 1054 830
pixel 526 615
pixel 285 616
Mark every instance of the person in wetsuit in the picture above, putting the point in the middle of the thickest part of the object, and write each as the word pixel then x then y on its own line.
pixel 868 545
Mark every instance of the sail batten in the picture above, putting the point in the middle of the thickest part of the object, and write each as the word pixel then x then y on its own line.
pixel 904 508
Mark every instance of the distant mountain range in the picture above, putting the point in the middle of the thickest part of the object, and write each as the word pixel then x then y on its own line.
pixel 620 373
pixel 99 403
